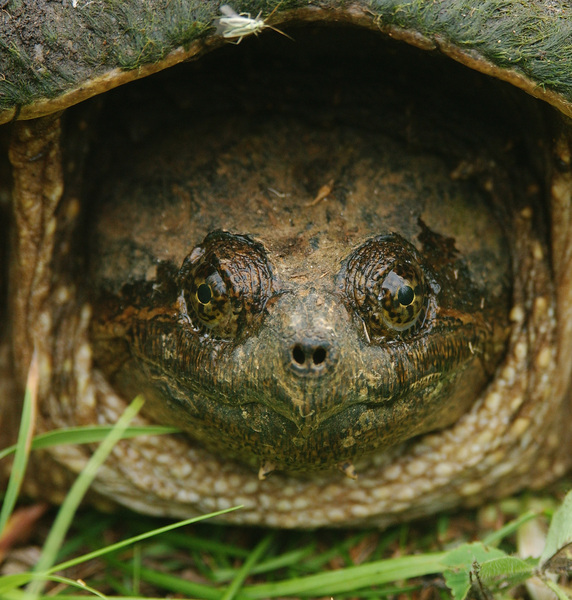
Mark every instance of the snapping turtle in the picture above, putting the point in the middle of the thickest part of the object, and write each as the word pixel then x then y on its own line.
pixel 340 264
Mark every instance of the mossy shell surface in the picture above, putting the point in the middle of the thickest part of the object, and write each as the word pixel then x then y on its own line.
pixel 56 54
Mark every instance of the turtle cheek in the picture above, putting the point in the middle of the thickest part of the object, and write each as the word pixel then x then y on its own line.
pixel 438 375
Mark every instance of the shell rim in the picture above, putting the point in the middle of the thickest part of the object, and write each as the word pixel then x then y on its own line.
pixel 355 16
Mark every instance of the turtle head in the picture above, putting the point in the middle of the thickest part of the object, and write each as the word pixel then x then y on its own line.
pixel 308 372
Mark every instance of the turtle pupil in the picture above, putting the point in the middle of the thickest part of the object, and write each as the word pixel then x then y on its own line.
pixel 204 293
pixel 405 295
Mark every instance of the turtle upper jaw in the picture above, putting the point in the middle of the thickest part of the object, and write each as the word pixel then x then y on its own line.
pixel 313 365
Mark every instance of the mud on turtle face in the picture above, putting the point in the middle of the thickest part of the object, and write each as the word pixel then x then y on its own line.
pixel 339 252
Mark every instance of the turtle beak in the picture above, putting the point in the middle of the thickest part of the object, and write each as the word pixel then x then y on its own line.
pixel 304 333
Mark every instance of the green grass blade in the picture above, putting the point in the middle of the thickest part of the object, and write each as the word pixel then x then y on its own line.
pixel 87 435
pixel 75 584
pixel 492 539
pixel 74 497
pixel 324 584
pixel 316 562
pixel 351 578
pixel 18 595
pixel 203 544
pixel 5 590
pixel 136 569
pixel 135 539
pixel 287 559
pixel 11 582
pixel 173 583
pixel 560 593
pixel 246 568
pixel 22 446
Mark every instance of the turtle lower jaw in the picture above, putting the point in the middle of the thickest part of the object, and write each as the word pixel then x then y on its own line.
pixel 248 428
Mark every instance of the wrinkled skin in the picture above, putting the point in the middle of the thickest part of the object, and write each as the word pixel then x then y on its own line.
pixel 359 287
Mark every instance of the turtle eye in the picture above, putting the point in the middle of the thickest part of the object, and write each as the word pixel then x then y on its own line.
pixel 384 283
pixel 225 283
pixel 400 297
pixel 204 294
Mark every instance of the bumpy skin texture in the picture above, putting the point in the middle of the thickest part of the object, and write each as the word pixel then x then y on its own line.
pixel 107 278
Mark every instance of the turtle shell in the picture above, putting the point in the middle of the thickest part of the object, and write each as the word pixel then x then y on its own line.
pixel 502 102
pixel 56 55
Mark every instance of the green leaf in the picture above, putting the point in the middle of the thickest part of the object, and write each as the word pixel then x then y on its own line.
pixel 458 582
pixel 460 562
pixel 464 556
pixel 505 572
pixel 557 555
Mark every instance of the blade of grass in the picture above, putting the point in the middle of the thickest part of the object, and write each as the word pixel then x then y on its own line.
pixel 75 584
pixel 87 435
pixel 560 593
pixel 87 533
pixel 11 582
pixel 287 559
pixel 75 495
pixel 351 578
pixel 17 595
pixel 314 563
pixel 25 435
pixel 492 539
pixel 136 569
pixel 133 540
pixel 246 568
pixel 204 544
pixel 323 584
pixel 403 590
pixel 172 582
pixel 119 586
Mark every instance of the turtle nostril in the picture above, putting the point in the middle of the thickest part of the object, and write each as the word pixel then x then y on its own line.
pixel 319 355
pixel 298 354
pixel 308 356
